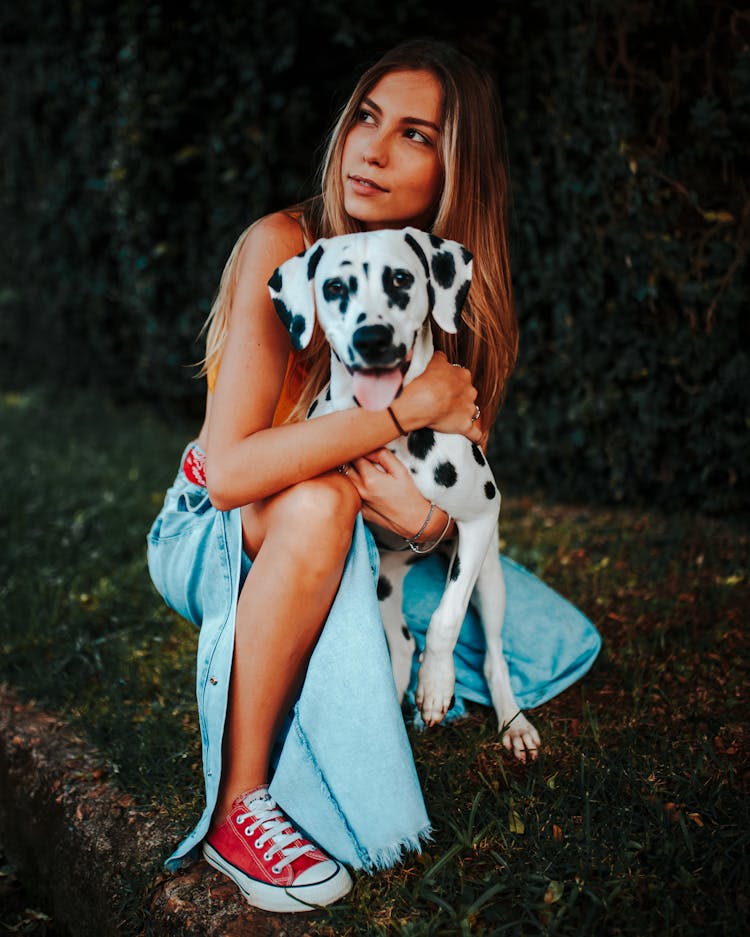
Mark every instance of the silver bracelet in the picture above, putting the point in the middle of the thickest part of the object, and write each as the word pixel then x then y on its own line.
pixel 415 547
pixel 423 528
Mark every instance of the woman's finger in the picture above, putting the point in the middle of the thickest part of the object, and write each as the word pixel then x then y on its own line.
pixel 475 433
pixel 386 460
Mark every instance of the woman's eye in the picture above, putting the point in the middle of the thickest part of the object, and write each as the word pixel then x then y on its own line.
pixel 419 137
pixel 365 117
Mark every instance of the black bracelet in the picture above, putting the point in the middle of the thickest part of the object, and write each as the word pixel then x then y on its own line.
pixel 399 427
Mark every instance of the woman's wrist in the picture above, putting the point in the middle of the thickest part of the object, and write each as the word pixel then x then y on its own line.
pixel 401 416
pixel 415 405
pixel 436 521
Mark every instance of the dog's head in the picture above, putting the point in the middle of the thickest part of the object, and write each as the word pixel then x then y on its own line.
pixel 373 291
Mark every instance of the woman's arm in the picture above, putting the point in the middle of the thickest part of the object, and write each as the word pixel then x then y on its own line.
pixel 246 458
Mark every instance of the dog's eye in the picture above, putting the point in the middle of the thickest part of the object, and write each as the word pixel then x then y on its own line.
pixel 402 279
pixel 332 289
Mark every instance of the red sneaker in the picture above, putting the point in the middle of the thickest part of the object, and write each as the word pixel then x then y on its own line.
pixel 271 863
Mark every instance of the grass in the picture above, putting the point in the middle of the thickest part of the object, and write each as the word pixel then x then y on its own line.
pixel 633 821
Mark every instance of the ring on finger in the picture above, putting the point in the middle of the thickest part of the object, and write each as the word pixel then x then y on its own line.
pixel 477 413
pixel 344 469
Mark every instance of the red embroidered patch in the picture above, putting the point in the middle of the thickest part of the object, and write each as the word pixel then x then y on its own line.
pixel 194 467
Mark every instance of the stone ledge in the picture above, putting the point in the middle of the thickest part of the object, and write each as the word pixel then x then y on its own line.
pixel 91 856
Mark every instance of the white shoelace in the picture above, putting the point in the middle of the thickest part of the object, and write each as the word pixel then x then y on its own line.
pixel 276 831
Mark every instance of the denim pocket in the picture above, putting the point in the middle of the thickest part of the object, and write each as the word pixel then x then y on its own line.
pixel 184 504
pixel 194 500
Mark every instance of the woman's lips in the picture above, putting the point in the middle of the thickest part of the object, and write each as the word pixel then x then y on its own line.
pixel 363 186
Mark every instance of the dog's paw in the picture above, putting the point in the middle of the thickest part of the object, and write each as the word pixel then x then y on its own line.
pixel 434 696
pixel 520 737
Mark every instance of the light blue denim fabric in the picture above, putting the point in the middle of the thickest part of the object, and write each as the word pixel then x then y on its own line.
pixel 547 642
pixel 344 770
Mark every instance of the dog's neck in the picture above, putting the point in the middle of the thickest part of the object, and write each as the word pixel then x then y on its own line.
pixel 341 382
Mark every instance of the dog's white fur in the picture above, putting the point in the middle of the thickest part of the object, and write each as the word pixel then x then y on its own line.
pixel 374 293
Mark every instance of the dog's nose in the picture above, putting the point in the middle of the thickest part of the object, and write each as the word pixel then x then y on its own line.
pixel 374 343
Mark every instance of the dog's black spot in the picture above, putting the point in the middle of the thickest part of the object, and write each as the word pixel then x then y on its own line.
pixel 366 269
pixel 296 328
pixel 489 490
pixel 312 263
pixel 328 392
pixel 350 352
pixel 456 568
pixel 420 441
pixel 445 474
pixel 361 317
pixel 335 354
pixel 353 284
pixel 313 407
pixel 466 256
pixel 415 246
pixel 384 588
pixel 276 281
pixel 405 632
pixel 477 453
pixel 461 294
pixel 294 323
pixel 282 311
pixel 346 263
pixel 444 269
pixel 436 241
pixel 396 285
pixel 430 297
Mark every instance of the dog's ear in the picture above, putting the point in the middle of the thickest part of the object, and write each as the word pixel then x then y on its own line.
pixel 448 268
pixel 291 289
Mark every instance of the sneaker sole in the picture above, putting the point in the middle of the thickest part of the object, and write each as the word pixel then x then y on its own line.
pixel 278 897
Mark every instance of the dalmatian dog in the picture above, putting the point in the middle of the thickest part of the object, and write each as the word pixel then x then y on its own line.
pixel 374 293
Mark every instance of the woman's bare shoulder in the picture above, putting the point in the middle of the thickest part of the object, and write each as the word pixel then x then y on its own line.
pixel 267 244
pixel 275 237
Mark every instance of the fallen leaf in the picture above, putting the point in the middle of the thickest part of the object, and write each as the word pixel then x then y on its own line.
pixel 515 823
pixel 554 892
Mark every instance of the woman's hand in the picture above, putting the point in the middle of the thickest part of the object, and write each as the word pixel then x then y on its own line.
pixel 390 498
pixel 442 398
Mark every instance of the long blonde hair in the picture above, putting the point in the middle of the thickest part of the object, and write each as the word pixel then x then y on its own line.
pixel 473 209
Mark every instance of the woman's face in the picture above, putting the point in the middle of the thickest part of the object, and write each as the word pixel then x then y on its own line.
pixel 391 167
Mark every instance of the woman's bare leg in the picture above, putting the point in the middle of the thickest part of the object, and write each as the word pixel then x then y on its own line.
pixel 299 541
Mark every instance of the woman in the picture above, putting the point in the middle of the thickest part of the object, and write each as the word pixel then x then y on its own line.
pixel 259 541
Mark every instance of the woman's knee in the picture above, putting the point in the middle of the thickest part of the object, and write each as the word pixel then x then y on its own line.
pixel 314 519
pixel 309 515
pixel 319 506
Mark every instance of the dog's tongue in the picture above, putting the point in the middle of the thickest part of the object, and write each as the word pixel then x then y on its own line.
pixel 375 390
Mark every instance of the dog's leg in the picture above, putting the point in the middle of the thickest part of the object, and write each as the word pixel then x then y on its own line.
pixel 519 735
pixel 437 676
pixel 401 643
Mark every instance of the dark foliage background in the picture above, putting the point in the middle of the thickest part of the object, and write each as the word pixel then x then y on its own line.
pixel 137 139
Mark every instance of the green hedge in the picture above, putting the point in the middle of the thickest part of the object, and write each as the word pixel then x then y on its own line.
pixel 139 139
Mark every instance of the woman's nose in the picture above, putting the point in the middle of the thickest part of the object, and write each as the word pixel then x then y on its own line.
pixel 375 153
